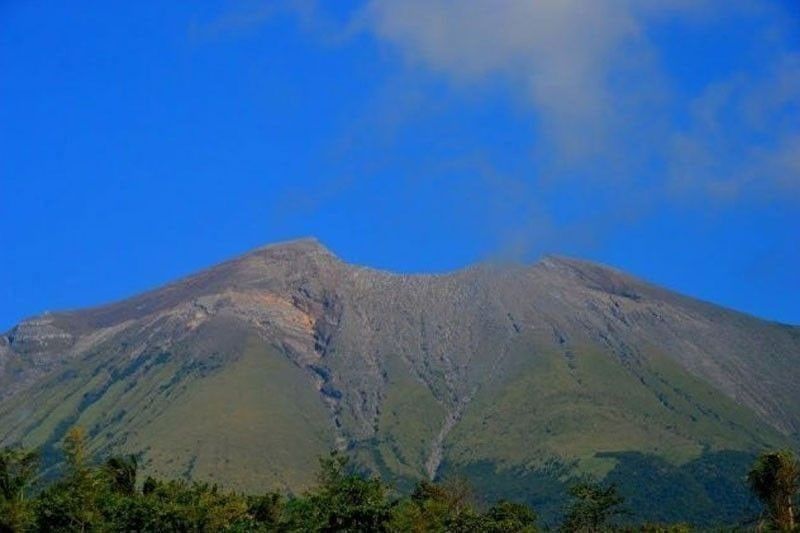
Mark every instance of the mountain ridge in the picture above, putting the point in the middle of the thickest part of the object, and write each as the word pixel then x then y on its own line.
pixel 288 349
pixel 312 244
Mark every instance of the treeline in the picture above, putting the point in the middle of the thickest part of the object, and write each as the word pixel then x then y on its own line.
pixel 111 497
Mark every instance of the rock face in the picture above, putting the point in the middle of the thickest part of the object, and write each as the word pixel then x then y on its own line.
pixel 244 372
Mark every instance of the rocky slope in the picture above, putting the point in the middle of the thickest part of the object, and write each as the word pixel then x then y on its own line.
pixel 245 372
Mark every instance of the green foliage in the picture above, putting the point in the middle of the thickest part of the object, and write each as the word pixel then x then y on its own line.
pixel 121 473
pixel 543 488
pixel 343 501
pixel 72 503
pixel 707 491
pixel 510 516
pixel 433 507
pixel 107 497
pixel 593 508
pixel 657 528
pixel 266 508
pixel 775 480
pixel 17 470
pixel 450 506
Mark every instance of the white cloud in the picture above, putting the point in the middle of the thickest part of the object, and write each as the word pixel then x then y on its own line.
pixel 744 137
pixel 602 101
pixel 586 65
pixel 597 88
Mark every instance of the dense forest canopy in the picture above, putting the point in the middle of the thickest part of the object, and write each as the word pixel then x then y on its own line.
pixel 109 496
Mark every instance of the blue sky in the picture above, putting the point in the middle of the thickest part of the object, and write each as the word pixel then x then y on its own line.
pixel 142 141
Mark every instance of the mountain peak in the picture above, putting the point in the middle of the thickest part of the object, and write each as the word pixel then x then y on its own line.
pixel 264 361
pixel 302 244
pixel 302 249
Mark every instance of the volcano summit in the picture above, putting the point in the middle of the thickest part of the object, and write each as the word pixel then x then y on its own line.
pixel 518 377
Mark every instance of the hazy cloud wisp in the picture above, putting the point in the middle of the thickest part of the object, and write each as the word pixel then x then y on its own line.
pixel 598 91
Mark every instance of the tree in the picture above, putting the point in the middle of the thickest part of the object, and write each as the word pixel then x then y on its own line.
pixel 149 486
pixel 593 508
pixel 450 506
pixel 121 473
pixel 455 493
pixel 72 504
pixel 17 470
pixel 444 506
pixel 266 509
pixel 343 501
pixel 774 479
pixel 507 516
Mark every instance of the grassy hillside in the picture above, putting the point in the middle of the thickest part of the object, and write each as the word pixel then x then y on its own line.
pixel 589 403
pixel 245 415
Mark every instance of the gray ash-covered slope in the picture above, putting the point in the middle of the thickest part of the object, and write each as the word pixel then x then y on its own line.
pixel 245 372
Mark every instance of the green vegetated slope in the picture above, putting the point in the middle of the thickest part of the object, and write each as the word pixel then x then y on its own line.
pixel 645 427
pixel 522 379
pixel 235 411
pixel 590 403
pixel 409 421
pixel 249 426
